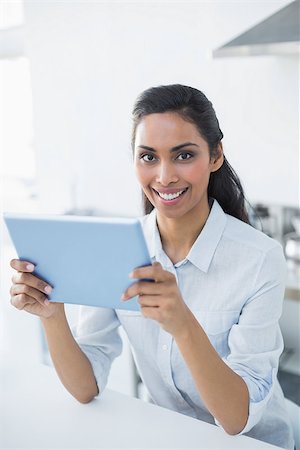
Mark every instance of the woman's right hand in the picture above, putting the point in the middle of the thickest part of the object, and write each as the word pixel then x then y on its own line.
pixel 29 292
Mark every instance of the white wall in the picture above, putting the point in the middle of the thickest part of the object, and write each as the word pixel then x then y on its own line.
pixel 89 61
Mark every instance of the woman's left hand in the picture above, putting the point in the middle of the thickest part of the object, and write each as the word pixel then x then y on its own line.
pixel 160 299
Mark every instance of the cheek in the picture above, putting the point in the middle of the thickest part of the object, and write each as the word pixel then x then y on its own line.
pixel 143 174
pixel 196 173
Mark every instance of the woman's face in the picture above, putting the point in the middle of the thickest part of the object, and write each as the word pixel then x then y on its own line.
pixel 172 164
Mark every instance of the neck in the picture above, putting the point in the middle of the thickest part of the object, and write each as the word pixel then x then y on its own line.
pixel 179 234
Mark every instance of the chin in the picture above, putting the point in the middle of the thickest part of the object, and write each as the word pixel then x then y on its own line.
pixel 169 213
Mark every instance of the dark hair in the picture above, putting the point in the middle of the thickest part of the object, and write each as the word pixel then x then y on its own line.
pixel 193 106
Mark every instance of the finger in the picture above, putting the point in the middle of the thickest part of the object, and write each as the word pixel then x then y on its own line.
pixel 21 300
pixel 154 272
pixel 151 313
pixel 31 292
pixel 142 288
pixel 32 281
pixel 149 301
pixel 22 266
pixel 141 272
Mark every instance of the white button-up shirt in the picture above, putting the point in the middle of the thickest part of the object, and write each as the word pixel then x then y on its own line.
pixel 233 280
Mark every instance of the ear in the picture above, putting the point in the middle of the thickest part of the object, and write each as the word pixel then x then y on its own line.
pixel 218 160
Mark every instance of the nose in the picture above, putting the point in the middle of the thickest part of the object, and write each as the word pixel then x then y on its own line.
pixel 166 174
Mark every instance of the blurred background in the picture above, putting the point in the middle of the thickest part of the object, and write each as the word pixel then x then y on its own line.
pixel 70 72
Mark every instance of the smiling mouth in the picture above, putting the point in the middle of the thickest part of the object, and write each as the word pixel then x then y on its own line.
pixel 169 197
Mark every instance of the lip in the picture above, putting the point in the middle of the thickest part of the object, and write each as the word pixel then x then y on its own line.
pixel 170 191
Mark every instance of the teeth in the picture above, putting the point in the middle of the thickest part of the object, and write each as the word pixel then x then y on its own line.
pixel 170 196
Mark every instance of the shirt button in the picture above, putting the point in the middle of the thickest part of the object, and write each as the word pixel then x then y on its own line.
pixel 164 347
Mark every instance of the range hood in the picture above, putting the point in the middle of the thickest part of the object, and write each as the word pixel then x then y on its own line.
pixel 279 34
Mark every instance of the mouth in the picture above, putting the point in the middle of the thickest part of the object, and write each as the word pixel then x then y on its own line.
pixel 170 197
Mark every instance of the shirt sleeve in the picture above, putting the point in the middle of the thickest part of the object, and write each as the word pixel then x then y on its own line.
pixel 97 335
pixel 255 342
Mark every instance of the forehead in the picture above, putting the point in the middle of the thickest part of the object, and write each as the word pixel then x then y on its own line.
pixel 167 128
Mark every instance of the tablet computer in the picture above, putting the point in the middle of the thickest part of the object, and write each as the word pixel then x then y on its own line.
pixel 86 260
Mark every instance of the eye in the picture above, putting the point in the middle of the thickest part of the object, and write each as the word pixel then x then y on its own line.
pixel 147 157
pixel 184 156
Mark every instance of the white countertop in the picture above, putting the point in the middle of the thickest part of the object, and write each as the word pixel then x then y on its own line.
pixel 38 413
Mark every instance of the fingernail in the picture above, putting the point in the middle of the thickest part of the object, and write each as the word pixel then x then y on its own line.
pixel 46 302
pixel 48 289
pixel 123 297
pixel 130 275
pixel 30 267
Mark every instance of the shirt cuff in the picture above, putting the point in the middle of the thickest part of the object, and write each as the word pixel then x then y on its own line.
pixel 100 364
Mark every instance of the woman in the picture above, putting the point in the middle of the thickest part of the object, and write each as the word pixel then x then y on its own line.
pixel 211 347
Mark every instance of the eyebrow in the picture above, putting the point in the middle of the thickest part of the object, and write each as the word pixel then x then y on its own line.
pixel 173 149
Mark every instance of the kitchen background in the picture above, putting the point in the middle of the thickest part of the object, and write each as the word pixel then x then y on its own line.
pixel 70 72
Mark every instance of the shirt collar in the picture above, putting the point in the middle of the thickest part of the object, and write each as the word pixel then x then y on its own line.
pixel 151 231
pixel 203 249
